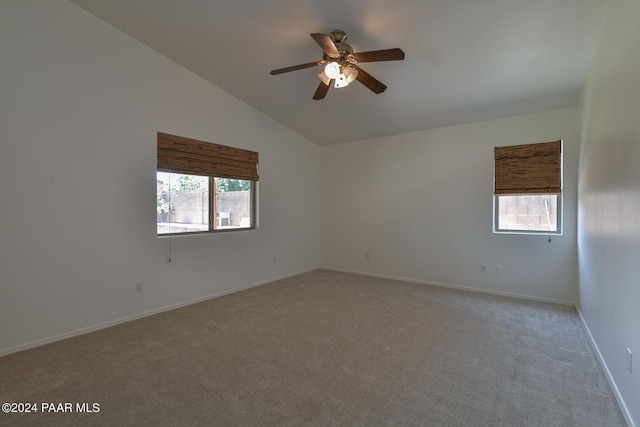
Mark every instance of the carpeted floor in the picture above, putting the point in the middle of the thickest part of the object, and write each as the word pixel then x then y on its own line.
pixel 324 349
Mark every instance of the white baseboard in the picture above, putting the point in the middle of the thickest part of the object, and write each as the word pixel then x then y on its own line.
pixel 104 325
pixel 612 383
pixel 59 337
pixel 447 285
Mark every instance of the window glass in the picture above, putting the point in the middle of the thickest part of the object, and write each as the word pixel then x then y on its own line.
pixel 233 203
pixel 528 213
pixel 183 203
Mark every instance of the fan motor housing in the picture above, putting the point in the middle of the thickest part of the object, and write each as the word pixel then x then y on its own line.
pixel 338 36
pixel 344 48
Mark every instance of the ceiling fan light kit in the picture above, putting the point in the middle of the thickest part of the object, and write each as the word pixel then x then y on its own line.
pixel 341 81
pixel 324 78
pixel 340 64
pixel 332 70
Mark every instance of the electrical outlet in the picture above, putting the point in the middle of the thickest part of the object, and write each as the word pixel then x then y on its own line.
pixel 629 360
pixel 367 256
pixel 275 259
pixel 138 287
pixel 483 268
pixel 497 269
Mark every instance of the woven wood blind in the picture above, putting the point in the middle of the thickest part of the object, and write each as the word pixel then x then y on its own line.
pixel 177 154
pixel 528 169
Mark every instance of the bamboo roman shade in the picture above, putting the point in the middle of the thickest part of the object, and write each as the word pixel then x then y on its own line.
pixel 189 156
pixel 528 169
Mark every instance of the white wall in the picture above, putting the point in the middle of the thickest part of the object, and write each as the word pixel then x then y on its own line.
pixel 80 105
pixel 421 205
pixel 609 198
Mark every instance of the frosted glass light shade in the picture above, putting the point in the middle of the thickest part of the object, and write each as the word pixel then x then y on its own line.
pixel 341 81
pixel 332 70
pixel 351 74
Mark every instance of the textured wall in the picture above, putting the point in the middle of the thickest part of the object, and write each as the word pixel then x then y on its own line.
pixel 609 208
pixel 80 108
pixel 421 205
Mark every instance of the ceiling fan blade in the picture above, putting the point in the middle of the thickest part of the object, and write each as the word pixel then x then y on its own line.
pixel 322 90
pixel 326 44
pixel 395 54
pixel 296 67
pixel 369 81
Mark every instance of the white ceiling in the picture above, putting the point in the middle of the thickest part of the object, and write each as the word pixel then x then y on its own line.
pixel 466 60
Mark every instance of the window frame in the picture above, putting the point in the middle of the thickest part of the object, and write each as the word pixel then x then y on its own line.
pixel 496 216
pixel 529 170
pixel 212 214
pixel 191 157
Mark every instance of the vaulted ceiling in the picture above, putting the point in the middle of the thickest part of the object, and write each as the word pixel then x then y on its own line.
pixel 466 60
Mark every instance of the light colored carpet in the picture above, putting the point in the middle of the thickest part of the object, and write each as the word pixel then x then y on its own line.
pixel 325 349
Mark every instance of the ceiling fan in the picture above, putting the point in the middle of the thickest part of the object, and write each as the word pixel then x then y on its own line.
pixel 341 63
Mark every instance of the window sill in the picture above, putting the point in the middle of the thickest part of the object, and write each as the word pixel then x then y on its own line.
pixel 206 233
pixel 530 233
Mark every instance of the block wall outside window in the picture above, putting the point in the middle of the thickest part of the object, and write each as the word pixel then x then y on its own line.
pixel 528 213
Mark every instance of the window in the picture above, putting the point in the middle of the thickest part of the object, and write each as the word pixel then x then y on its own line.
pixel 528 188
pixel 204 187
